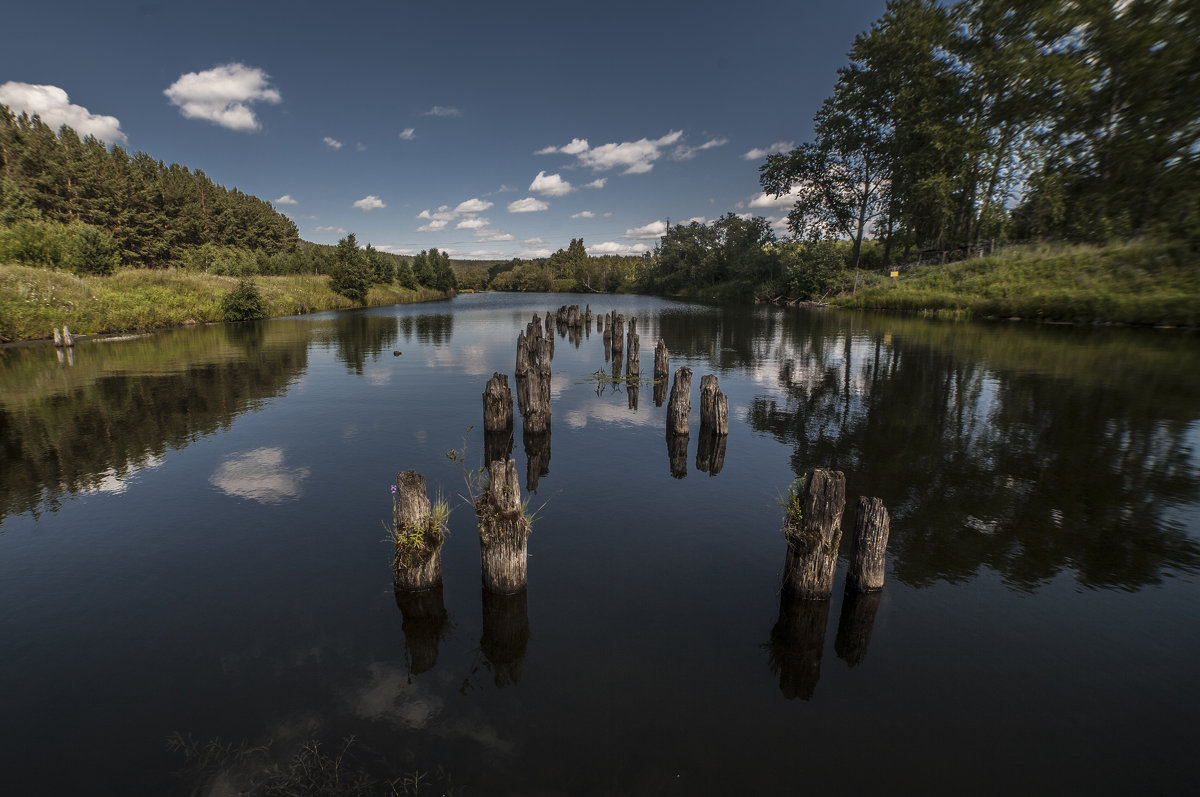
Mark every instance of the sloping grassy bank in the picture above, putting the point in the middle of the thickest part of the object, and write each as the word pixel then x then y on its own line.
pixel 1142 282
pixel 33 301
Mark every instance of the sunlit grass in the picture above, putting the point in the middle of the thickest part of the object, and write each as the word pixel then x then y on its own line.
pixel 34 301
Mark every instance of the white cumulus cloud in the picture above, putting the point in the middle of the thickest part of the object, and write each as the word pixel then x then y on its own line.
pixel 286 199
pixel 408 134
pixel 636 157
pixel 527 205
pixel 54 107
pixel 550 185
pixel 472 223
pixel 597 183
pixel 223 95
pixel 655 229
pixel 474 205
pixel 777 147
pixel 780 203
pixel 433 226
pixel 332 143
pixel 576 146
pixel 614 248
pixel 583 214
pixel 370 202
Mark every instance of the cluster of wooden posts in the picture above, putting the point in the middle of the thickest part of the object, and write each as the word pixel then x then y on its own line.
pixel 812 523
pixel 63 339
pixel 813 529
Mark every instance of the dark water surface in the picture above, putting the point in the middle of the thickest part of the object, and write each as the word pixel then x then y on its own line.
pixel 192 547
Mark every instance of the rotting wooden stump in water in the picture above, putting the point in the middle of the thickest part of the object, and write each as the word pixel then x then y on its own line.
pixel 497 404
pixel 633 351
pixel 533 391
pixel 814 536
pixel 522 367
pixel 679 408
pixel 714 406
pixel 418 561
pixel 503 530
pixel 618 336
pixel 868 553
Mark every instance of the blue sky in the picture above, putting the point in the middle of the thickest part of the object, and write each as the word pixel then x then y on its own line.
pixel 488 129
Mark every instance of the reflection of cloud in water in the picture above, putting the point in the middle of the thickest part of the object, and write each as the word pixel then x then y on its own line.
pixel 379 376
pixel 470 359
pixel 260 476
pixel 390 694
pixel 609 412
pixel 115 483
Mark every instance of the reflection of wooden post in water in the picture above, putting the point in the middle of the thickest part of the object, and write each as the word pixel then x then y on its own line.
pixel 617 361
pixel 864 579
pixel 813 538
pixel 660 373
pixel 505 635
pixel 677 445
pixel 497 445
pixel 679 408
pixel 537 455
pixel 418 561
pixel 425 623
pixel 633 360
pixel 497 405
pixel 618 335
pixel 503 530
pixel 631 391
pixel 710 452
pixel 797 645
pixel 855 624
pixel 868 553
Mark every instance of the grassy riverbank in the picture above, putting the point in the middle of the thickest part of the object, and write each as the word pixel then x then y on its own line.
pixel 1142 282
pixel 33 300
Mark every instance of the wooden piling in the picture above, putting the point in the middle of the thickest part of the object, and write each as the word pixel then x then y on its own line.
pixel 661 371
pixel 522 368
pixel 714 406
pixel 497 404
pixel 618 336
pixel 633 351
pixel 418 537
pixel 503 530
pixel 868 554
pixel 679 408
pixel 813 536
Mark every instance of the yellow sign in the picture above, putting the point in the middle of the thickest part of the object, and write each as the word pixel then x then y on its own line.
pixel 895 274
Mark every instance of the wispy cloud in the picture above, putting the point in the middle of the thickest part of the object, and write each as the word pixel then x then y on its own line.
pixel 777 147
pixel 576 146
pixel 408 134
pixel 441 110
pixel 286 199
pixel 614 248
pixel 370 202
pixel 223 95
pixel 684 152
pixel 493 236
pixel 597 183
pixel 332 143
pixel 550 185
pixel 583 214
pixel 52 104
pixel 338 230
pixel 527 205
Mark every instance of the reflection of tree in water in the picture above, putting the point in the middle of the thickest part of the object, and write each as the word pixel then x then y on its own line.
pixel 128 403
pixel 436 329
pixel 1026 471
pixel 359 335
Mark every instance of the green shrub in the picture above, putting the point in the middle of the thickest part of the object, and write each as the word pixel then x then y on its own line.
pixel 244 302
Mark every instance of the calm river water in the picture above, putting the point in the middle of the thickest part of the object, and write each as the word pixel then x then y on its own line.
pixel 193 564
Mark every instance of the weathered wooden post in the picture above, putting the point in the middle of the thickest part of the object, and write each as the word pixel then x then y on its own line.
pixel 813 528
pixel 418 535
pixel 503 530
pixel 633 360
pixel 660 373
pixel 497 405
pixel 505 635
pixel 714 406
pixel 868 552
pixel 618 336
pixel 797 646
pixel 534 391
pixel 58 339
pixel 68 341
pixel 425 622
pixel 679 408
pixel 522 367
